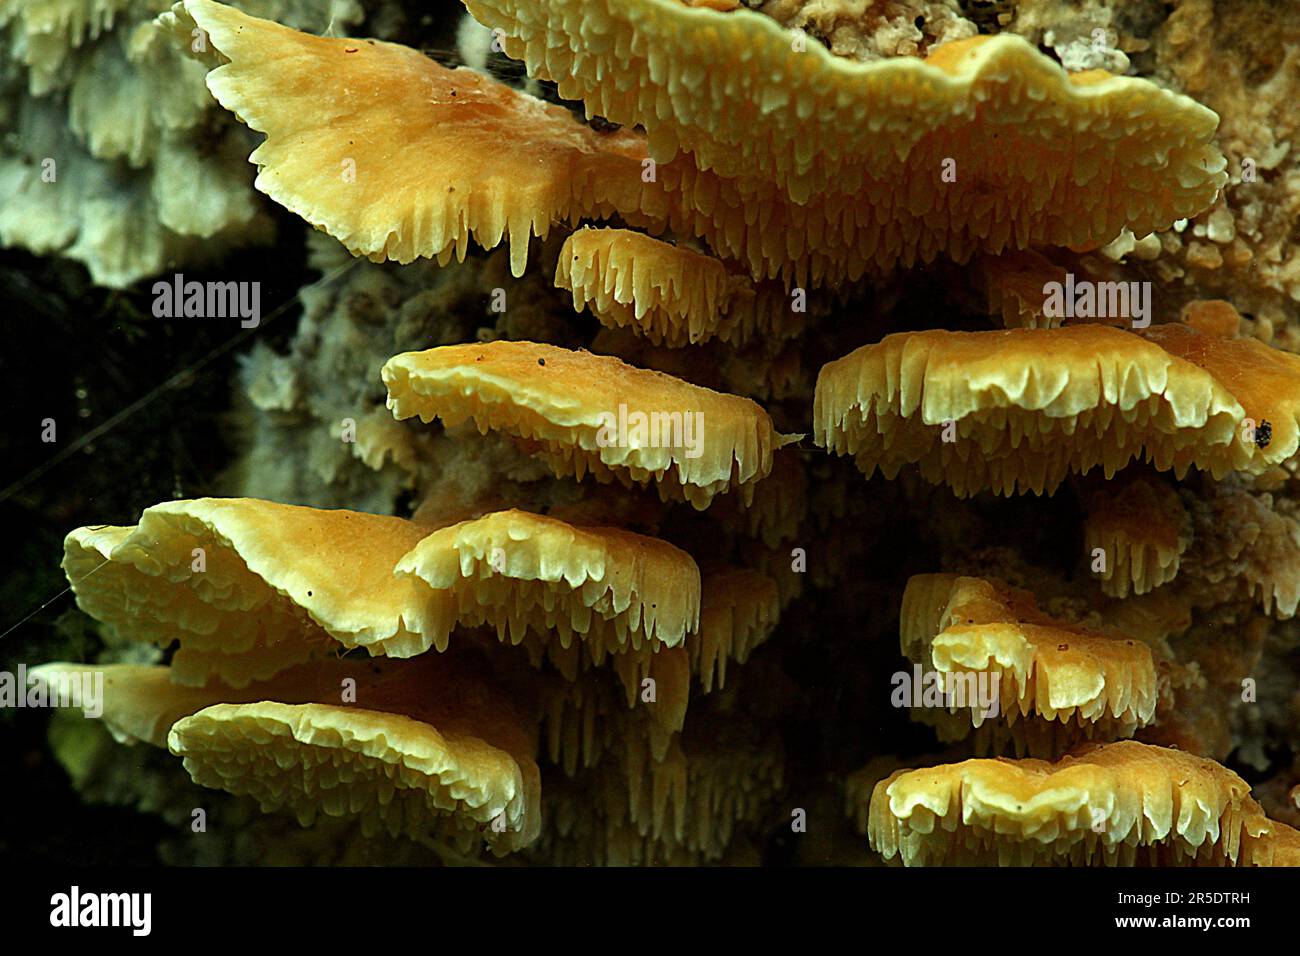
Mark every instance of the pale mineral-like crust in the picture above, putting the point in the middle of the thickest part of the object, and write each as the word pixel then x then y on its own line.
pixel 872 31
pixel 1243 61
pixel 1085 35
pixel 569 404
pixel 296 403
pixel 109 96
pixel 1245 542
pixel 1119 804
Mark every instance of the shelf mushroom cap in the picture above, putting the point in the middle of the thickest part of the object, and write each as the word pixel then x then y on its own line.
pixel 594 414
pixel 1141 528
pixel 1017 410
pixel 565 591
pixel 1104 804
pixel 399 157
pixel 425 747
pixel 1041 156
pixel 405 775
pixel 1056 683
pixel 667 293
pixel 248 587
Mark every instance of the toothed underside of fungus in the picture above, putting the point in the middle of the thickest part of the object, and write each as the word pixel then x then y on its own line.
pixel 1014 283
pixel 618 761
pixel 778 507
pixel 576 410
pixel 667 670
pixel 584 719
pixel 677 808
pixel 247 587
pixel 391 771
pixel 410 747
pixel 416 175
pixel 747 154
pixel 1057 683
pixel 1119 804
pixel 1025 407
pixel 377 196
pixel 1040 157
pixel 574 592
pixel 1141 530
pixel 668 294
pixel 740 611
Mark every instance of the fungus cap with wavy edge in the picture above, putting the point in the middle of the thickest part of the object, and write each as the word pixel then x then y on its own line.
pixel 1104 804
pixel 445 700
pixel 587 174
pixel 140 701
pixel 557 586
pixel 733 90
pixel 1141 529
pixel 578 595
pixel 248 587
pixel 1025 407
pixel 1265 380
pixel 670 294
pixel 398 157
pixel 570 407
pixel 406 775
pixel 1057 683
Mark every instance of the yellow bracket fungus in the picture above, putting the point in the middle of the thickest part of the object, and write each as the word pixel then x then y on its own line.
pixel 1114 804
pixel 1139 530
pixel 593 414
pixel 1035 156
pixel 1056 683
pixel 1018 410
pixel 247 587
pixel 668 293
